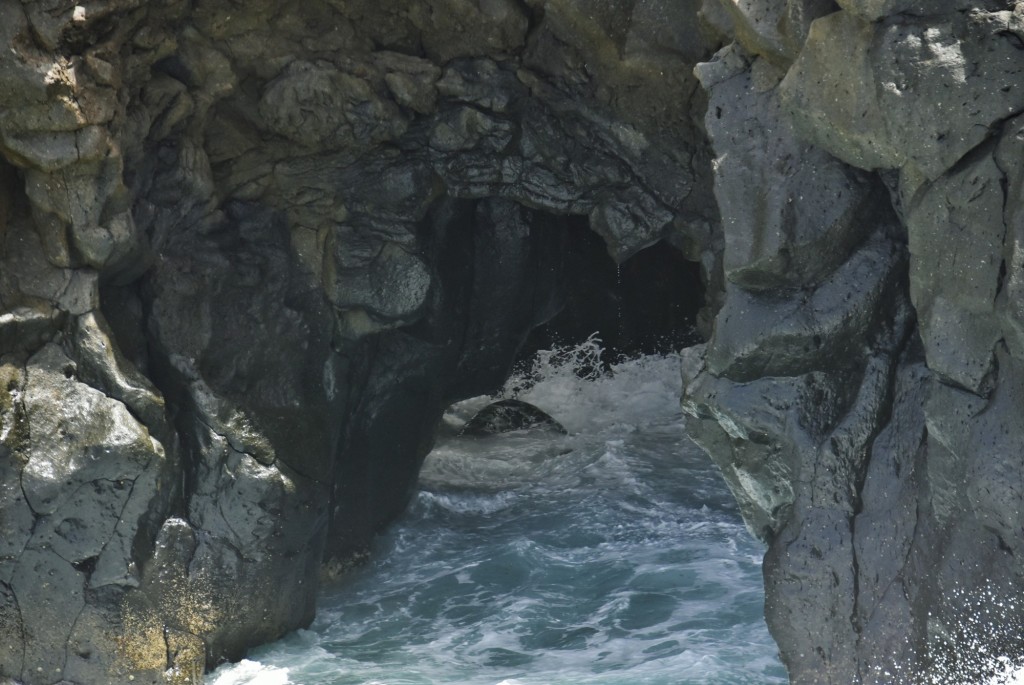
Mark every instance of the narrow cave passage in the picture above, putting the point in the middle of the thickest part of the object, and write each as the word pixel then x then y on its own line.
pixel 611 554
pixel 508 281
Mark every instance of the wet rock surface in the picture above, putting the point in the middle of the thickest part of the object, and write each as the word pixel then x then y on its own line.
pixel 851 414
pixel 248 255
pixel 505 416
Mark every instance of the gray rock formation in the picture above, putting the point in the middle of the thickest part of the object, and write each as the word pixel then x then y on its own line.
pixel 857 396
pixel 239 245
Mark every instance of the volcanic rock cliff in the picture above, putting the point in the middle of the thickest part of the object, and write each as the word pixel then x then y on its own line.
pixel 250 251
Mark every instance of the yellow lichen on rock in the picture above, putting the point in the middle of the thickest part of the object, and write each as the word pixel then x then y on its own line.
pixel 141 645
pixel 189 602
pixel 188 658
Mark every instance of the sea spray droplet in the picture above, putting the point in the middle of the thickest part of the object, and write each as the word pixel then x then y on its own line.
pixel 978 631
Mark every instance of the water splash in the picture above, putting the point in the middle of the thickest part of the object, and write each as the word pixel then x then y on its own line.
pixel 570 365
pixel 248 672
pixel 988 628
pixel 588 393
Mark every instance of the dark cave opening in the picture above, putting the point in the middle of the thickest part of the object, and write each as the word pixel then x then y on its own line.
pixel 508 281
pixel 515 280
pixel 648 304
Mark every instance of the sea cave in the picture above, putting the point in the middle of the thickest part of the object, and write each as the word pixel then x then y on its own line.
pixel 253 256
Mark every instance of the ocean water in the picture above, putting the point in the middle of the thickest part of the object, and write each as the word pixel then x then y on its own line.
pixel 610 556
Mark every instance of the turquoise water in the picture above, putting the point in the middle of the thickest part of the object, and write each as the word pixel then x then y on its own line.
pixel 611 556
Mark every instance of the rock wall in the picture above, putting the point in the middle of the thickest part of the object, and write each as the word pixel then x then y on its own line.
pixel 861 386
pixel 250 252
pixel 248 255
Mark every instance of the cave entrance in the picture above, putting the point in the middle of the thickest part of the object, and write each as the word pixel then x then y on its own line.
pixel 648 304
pixel 521 283
pixel 611 547
pixel 509 280
pixel 593 549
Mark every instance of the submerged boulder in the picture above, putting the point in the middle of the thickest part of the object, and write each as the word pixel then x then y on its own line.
pixel 505 416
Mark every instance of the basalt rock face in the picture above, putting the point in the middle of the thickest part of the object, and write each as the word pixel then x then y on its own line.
pixel 248 255
pixel 859 388
pixel 249 252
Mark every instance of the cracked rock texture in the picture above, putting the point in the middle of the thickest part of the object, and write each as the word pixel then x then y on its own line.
pixel 858 387
pixel 248 255
pixel 250 252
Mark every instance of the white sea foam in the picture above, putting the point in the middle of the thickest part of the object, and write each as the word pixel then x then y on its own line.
pixel 248 672
pixel 1006 673
pixel 611 556
pixel 1014 677
pixel 621 562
